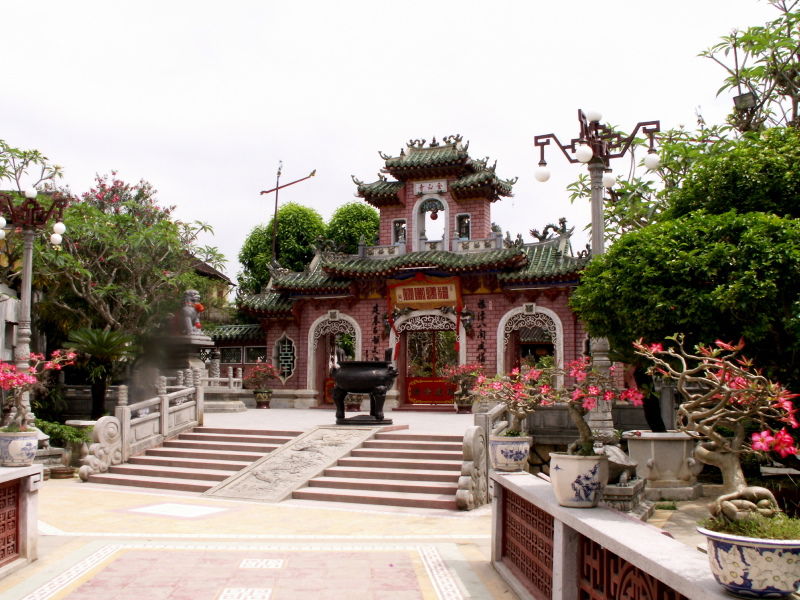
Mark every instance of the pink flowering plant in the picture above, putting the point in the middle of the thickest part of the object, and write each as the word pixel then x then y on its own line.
pixel 524 390
pixel 15 382
pixel 723 394
pixel 464 377
pixel 260 376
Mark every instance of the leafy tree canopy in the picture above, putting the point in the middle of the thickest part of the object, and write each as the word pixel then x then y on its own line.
pixel 299 228
pixel 711 276
pixel 351 223
pixel 124 262
pixel 760 172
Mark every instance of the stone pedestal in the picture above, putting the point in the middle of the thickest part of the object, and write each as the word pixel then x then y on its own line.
pixel 666 461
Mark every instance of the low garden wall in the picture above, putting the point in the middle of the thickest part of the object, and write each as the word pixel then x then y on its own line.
pixel 543 550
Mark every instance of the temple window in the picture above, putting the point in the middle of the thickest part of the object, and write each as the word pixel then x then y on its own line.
pixel 284 357
pixel 230 355
pixel 399 231
pixel 254 354
pixel 463 227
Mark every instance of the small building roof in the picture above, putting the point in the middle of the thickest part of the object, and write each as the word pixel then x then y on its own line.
pixel 235 331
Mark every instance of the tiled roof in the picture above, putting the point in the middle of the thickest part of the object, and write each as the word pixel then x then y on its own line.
pixel 249 331
pixel 315 281
pixel 380 193
pixel 545 263
pixel 453 262
pixel 266 303
pixel 438 161
pixel 482 184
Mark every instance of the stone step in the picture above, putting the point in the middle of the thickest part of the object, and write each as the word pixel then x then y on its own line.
pixel 397 463
pixel 221 447
pixel 419 437
pixel 239 438
pixel 197 463
pixel 442 501
pixel 398 474
pixel 200 453
pixel 385 485
pixel 268 432
pixel 163 483
pixel 149 470
pixel 407 454
pixel 413 445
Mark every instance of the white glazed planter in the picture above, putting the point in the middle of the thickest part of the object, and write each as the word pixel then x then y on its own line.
pixel 509 453
pixel 753 567
pixel 578 481
pixel 18 448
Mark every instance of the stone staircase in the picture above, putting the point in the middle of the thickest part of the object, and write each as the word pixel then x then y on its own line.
pixel 196 461
pixel 394 469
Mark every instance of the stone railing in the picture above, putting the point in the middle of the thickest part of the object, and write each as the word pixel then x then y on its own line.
pixel 223 384
pixel 472 484
pixel 543 550
pixel 387 251
pixel 495 242
pixel 137 427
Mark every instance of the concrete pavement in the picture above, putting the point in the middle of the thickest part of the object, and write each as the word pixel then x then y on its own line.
pixel 104 543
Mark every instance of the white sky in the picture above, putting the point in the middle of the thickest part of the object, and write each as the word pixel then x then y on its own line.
pixel 203 99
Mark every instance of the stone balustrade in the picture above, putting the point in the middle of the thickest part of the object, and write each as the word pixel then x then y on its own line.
pixel 543 550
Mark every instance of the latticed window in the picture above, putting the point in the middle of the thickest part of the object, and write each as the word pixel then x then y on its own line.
pixel 285 357
pixel 253 354
pixel 230 355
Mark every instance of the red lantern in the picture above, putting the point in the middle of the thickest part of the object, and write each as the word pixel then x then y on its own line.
pixel 434 215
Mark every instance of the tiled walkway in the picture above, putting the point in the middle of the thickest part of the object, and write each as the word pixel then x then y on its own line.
pixel 98 543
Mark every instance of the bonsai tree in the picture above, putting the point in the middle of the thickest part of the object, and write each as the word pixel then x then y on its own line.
pixel 524 390
pixel 16 416
pixel 722 394
pixel 463 377
pixel 261 374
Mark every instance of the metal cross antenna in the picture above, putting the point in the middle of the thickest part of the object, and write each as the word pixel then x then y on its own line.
pixel 595 146
pixel 277 187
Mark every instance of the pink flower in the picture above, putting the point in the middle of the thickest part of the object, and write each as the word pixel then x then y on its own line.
pixel 657 347
pixel 577 394
pixel 762 441
pixel 589 402
pixel 784 443
pixel 545 389
pixel 633 396
pixel 593 390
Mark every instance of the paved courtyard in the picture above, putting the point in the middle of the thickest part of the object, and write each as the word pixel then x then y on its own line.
pixel 114 543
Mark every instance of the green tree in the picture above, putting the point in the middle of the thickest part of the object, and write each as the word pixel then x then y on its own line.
pixel 102 350
pixel 299 228
pixel 124 262
pixel 763 60
pixel 351 223
pixel 760 172
pixel 710 276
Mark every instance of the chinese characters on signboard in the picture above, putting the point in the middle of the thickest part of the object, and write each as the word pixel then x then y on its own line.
pixel 430 187
pixel 481 319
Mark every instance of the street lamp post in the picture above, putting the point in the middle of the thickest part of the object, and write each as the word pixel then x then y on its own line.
pixel 29 215
pixel 595 146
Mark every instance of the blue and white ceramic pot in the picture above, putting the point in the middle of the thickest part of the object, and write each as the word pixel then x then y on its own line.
pixel 754 567
pixel 18 448
pixel 509 453
pixel 578 481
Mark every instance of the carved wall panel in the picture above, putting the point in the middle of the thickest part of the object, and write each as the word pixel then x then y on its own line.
pixel 9 521
pixel 527 547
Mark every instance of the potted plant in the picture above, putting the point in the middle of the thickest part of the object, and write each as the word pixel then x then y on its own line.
pixel 579 474
pixel 258 379
pixel 521 392
pixel 18 436
pixel 722 395
pixel 463 378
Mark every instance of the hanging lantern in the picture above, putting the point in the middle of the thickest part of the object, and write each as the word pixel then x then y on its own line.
pixel 434 215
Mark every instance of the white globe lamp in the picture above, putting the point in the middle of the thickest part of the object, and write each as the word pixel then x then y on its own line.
pixel 652 161
pixel 609 179
pixel 583 153
pixel 593 116
pixel 542 174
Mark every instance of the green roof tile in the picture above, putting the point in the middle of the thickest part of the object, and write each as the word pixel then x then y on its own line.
pixel 307 282
pixel 380 193
pixel 545 263
pixel 249 331
pixel 446 261
pixel 268 302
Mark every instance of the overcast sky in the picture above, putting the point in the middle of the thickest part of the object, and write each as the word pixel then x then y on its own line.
pixel 203 99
